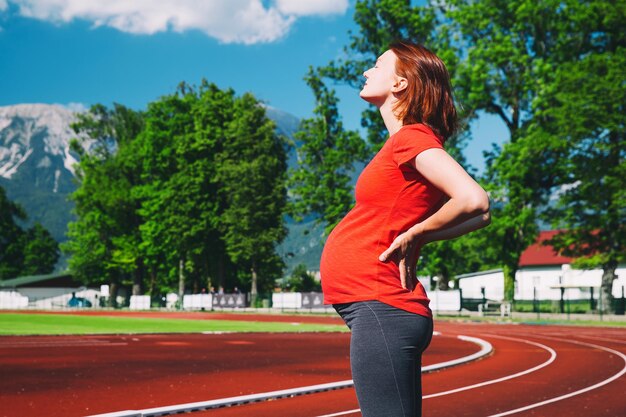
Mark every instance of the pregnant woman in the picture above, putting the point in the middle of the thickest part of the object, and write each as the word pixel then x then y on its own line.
pixel 411 193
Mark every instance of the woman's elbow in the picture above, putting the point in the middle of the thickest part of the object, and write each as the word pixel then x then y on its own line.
pixel 478 203
pixel 486 218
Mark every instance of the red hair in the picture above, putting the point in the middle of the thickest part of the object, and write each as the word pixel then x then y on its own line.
pixel 428 97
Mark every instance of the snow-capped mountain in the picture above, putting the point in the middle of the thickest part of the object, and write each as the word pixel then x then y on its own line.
pixel 36 165
pixel 34 143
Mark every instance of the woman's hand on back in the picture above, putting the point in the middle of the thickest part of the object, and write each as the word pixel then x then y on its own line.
pixel 404 251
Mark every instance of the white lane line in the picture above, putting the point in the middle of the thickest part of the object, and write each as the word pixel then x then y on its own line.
pixel 342 413
pixel 504 378
pixel 575 393
pixel 60 343
pixel 551 359
pixel 486 349
pixel 603 339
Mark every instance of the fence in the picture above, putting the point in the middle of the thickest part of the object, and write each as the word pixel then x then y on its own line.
pixel 54 298
pixel 12 300
pixel 442 302
pixel 299 300
pixel 589 304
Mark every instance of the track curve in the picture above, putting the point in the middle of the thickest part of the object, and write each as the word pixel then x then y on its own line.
pixel 552 370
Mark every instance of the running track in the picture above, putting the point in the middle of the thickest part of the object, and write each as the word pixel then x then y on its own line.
pixel 534 371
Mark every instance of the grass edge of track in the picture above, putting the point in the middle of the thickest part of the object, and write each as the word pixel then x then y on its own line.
pixel 24 324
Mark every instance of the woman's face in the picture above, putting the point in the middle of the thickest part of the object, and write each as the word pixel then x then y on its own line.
pixel 381 80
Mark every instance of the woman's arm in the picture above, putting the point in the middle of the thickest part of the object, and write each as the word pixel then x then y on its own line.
pixel 467 199
pixel 465 211
pixel 460 229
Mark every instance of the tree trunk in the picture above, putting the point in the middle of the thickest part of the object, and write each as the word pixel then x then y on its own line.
pixel 138 279
pixel 181 281
pixel 443 282
pixel 253 287
pixel 605 302
pixel 509 282
pixel 153 279
pixel 112 301
pixel 221 279
pixel 207 271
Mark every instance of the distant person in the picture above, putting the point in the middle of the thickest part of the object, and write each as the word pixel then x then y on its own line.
pixel 411 193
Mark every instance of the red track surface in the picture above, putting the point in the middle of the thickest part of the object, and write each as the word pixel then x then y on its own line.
pixel 76 376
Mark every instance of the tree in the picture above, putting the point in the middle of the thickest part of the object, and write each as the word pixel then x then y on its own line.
pixel 252 185
pixel 188 191
pixel 508 46
pixel 301 280
pixel 41 251
pixel 23 252
pixel 170 217
pixel 104 239
pixel 585 109
pixel 321 184
pixel 11 256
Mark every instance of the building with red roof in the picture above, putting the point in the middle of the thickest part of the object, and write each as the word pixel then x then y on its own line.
pixel 542 273
pixel 539 253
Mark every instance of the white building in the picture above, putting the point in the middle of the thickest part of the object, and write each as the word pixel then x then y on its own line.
pixel 542 273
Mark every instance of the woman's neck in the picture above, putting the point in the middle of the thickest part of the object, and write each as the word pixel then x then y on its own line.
pixel 392 123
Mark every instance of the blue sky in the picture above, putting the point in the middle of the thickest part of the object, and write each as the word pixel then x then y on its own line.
pixel 82 52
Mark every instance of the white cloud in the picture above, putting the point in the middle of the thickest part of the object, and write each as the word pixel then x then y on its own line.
pixel 312 7
pixel 3 5
pixel 229 21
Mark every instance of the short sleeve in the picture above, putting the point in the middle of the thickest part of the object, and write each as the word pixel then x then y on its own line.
pixel 408 143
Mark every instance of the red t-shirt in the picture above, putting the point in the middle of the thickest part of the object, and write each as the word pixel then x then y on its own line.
pixel 391 197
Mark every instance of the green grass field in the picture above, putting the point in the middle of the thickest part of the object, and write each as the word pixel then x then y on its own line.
pixel 54 324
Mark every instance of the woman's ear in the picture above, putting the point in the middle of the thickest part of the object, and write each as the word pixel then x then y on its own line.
pixel 400 84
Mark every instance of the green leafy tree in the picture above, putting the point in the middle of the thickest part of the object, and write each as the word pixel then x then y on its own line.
pixel 23 252
pixel 167 197
pixel 585 109
pixel 251 177
pixel 507 47
pixel 41 251
pixel 103 240
pixel 189 191
pixel 321 184
pixel 185 132
pixel 11 256
pixel 301 280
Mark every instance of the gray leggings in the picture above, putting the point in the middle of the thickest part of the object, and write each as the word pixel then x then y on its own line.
pixel 386 348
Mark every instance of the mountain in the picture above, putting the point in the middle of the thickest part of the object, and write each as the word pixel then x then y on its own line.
pixel 36 170
pixel 36 164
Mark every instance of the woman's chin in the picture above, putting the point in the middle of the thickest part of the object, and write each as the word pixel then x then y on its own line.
pixel 363 94
pixel 369 99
